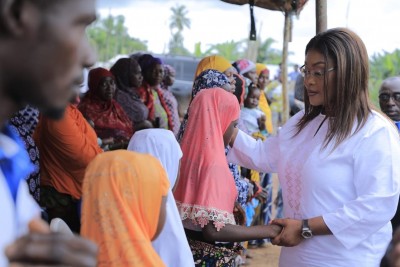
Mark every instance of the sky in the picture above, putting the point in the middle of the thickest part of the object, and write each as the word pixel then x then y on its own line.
pixel 214 21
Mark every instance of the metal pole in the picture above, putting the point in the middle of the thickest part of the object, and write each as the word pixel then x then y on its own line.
pixel 321 15
pixel 285 98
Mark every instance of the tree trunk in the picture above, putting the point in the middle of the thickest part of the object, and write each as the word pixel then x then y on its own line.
pixel 285 98
pixel 321 15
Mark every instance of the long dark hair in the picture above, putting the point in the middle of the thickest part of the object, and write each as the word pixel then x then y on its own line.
pixel 348 103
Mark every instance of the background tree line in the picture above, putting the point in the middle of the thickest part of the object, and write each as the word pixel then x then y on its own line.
pixel 110 37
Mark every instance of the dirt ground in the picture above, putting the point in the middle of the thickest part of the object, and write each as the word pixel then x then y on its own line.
pixel 267 256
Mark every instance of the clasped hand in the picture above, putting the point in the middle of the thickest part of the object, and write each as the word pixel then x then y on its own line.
pixel 291 232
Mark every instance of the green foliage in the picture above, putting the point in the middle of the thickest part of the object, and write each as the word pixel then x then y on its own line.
pixel 110 37
pixel 267 54
pixel 197 50
pixel 177 23
pixel 231 50
pixel 382 66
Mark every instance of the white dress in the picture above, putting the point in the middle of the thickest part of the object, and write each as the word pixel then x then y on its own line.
pixel 171 245
pixel 355 188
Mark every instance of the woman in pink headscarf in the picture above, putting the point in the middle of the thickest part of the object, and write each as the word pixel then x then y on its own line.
pixel 206 192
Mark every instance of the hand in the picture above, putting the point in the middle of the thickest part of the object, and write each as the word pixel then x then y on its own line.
pixel 233 138
pixel 291 233
pixel 52 249
pixel 274 230
pixel 261 122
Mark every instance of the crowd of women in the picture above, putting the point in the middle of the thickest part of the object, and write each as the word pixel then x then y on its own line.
pixel 160 189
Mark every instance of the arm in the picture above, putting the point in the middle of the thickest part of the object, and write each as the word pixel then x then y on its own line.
pixel 377 196
pixel 237 233
pixel 73 143
pixel 252 154
pixel 376 181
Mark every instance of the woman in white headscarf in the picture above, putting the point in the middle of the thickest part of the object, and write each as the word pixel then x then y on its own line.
pixel 171 245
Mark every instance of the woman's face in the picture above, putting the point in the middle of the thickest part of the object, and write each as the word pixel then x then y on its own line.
pixel 229 132
pixel 170 79
pixel 106 88
pixel 314 69
pixel 229 74
pixel 155 75
pixel 136 75
pixel 252 75
pixel 263 80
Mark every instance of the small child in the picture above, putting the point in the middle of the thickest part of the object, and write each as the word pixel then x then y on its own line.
pixel 252 120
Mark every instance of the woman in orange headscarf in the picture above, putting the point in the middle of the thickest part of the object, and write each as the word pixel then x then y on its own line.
pixel 263 80
pixel 124 197
pixel 206 192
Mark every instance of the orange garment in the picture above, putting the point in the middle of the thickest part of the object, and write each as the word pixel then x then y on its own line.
pixel 205 190
pixel 66 147
pixel 263 103
pixel 214 62
pixel 264 106
pixel 122 196
pixel 261 67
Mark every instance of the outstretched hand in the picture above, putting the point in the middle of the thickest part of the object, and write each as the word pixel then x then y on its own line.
pixel 291 233
pixel 42 248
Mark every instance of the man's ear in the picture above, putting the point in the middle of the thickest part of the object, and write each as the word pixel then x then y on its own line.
pixel 18 17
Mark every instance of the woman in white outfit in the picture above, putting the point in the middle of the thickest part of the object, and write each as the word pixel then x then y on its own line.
pixel 338 162
pixel 171 244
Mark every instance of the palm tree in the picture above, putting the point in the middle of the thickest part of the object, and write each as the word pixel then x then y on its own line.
pixel 231 50
pixel 177 23
pixel 178 19
pixel 267 54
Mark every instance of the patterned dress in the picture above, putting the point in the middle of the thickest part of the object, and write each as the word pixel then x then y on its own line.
pixel 24 123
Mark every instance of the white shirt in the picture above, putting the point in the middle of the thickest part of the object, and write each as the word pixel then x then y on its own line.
pixel 14 217
pixel 355 188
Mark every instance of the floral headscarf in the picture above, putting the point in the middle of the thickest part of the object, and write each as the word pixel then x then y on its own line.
pixel 209 79
pixel 206 80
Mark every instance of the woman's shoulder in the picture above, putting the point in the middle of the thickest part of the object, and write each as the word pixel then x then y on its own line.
pixel 378 122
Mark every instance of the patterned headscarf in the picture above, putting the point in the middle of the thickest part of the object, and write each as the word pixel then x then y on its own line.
pixel 206 80
pixel 209 79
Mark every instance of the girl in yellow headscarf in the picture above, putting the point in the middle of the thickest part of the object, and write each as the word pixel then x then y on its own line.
pixel 124 196
pixel 263 80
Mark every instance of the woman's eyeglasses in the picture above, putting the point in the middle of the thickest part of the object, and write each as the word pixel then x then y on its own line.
pixel 319 74
pixel 386 97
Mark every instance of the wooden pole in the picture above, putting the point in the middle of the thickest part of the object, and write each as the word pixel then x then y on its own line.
pixel 321 15
pixel 286 38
